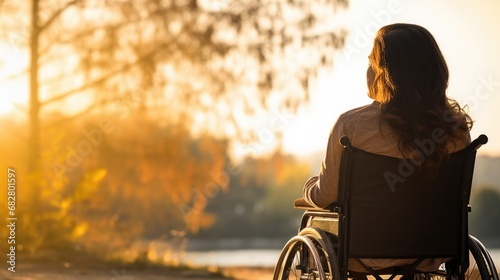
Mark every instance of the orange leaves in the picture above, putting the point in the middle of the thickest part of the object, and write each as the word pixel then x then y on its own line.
pixel 160 178
pixel 88 185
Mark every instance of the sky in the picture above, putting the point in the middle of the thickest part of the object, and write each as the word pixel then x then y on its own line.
pixel 467 34
pixel 465 31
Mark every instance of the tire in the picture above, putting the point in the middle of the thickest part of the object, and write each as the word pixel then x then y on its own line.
pixel 298 259
pixel 309 255
pixel 487 268
pixel 329 256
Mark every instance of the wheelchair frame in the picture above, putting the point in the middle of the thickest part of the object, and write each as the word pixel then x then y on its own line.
pixel 319 251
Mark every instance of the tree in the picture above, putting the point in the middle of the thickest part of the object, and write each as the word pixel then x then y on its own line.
pixel 186 63
pixel 484 219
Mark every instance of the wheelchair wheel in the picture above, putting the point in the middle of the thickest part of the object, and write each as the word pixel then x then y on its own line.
pixel 481 266
pixel 485 264
pixel 309 255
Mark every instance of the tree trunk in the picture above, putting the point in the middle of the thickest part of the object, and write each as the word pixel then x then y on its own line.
pixel 34 137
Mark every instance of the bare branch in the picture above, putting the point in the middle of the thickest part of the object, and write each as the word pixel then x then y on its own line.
pixel 105 77
pixel 56 15
pixel 84 112
pixel 17 75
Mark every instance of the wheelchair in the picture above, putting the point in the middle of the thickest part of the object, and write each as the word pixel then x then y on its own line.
pixel 390 209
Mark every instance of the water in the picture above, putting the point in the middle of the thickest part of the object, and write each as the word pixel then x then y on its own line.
pixel 259 257
pixel 224 258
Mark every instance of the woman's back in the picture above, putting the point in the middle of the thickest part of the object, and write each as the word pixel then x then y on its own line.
pixel 377 137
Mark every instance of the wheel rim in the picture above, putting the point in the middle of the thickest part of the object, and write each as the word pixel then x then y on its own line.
pixel 299 248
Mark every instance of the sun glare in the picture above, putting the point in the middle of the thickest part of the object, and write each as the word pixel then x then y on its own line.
pixel 13 96
pixel 6 105
pixel 13 85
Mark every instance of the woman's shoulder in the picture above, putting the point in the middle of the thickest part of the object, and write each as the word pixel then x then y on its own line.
pixel 363 112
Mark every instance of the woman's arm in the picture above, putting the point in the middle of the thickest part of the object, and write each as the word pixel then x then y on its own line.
pixel 322 190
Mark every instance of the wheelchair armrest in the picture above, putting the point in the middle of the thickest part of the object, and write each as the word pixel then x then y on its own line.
pixel 301 203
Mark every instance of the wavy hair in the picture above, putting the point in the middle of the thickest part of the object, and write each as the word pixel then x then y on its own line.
pixel 410 82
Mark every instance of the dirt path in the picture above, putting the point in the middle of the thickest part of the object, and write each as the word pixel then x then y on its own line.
pixel 65 271
pixel 248 273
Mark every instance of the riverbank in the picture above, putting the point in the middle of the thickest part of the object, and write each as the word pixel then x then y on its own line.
pixel 94 271
pixel 104 271
pixel 83 267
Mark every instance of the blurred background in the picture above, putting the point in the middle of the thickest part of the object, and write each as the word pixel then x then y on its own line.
pixel 181 131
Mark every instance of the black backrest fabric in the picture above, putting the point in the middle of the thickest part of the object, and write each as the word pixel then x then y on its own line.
pixel 394 210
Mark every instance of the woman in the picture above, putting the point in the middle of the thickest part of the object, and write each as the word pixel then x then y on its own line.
pixel 407 78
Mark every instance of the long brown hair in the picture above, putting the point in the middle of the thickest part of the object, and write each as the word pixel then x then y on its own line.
pixel 411 78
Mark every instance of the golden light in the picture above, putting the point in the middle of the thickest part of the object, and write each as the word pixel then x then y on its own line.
pixel 11 94
pixel 13 82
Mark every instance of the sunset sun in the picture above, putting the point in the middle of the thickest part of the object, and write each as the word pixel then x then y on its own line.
pixel 13 82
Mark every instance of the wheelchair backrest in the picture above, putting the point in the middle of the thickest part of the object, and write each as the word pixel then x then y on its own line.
pixel 393 209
